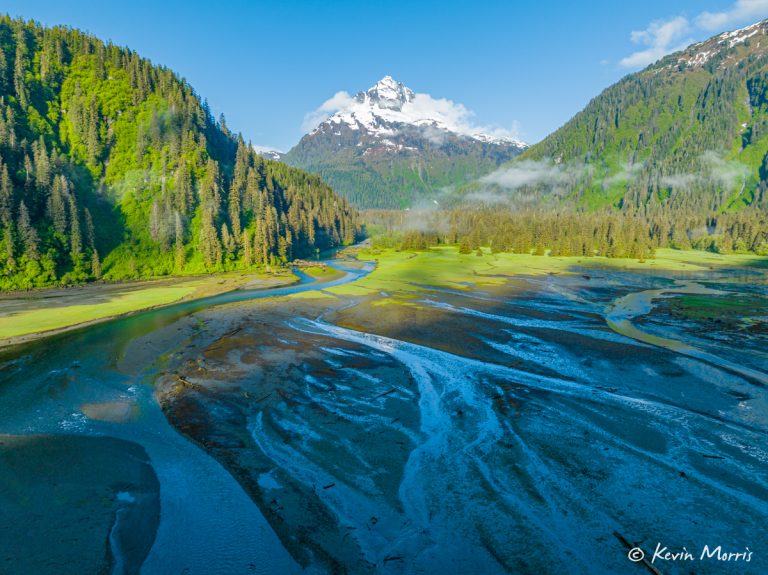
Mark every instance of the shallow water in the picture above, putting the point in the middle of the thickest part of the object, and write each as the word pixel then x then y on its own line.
pixel 207 524
pixel 485 434
pixel 469 432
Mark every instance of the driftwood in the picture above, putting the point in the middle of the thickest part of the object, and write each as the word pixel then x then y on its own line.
pixel 215 345
pixel 185 383
pixel 393 390
pixel 629 546
pixel 231 333
pixel 307 264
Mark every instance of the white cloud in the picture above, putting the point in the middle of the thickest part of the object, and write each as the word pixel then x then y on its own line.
pixel 730 173
pixel 513 132
pixel 661 38
pixel 628 173
pixel 435 135
pixel 339 101
pixel 741 11
pixel 447 111
pixel 262 149
pixel 678 180
pixel 531 173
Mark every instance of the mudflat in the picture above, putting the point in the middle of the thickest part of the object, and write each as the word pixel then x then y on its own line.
pixel 480 414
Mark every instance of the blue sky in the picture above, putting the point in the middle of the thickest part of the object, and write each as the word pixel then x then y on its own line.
pixel 523 66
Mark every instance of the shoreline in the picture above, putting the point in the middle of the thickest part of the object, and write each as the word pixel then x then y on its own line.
pixel 200 287
pixel 19 304
pixel 128 283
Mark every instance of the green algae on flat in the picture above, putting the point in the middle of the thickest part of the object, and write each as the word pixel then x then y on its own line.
pixel 445 267
pixel 719 307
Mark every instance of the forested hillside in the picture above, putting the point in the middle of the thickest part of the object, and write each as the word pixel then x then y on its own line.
pixel 113 167
pixel 689 133
pixel 388 178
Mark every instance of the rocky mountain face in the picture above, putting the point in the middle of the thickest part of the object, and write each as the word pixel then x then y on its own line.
pixel 389 147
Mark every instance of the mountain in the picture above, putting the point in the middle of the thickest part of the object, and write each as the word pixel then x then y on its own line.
pixel 388 147
pixel 268 153
pixel 113 167
pixel 689 132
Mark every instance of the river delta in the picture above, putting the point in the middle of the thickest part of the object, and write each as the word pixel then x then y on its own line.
pixel 439 414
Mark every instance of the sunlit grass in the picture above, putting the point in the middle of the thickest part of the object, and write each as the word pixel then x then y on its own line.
pixel 43 319
pixel 324 273
pixel 445 267
pixel 50 310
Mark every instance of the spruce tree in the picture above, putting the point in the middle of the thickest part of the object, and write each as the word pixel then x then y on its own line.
pixel 29 237
pixel 179 252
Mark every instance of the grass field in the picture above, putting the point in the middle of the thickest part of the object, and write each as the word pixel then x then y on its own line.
pixel 324 273
pixel 44 319
pixel 56 309
pixel 445 267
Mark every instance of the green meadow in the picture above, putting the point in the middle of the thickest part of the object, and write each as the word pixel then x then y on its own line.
pixel 403 272
pixel 40 320
pixel 56 309
pixel 445 267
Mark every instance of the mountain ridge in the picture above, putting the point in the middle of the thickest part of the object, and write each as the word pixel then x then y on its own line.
pixel 389 146
pixel 389 102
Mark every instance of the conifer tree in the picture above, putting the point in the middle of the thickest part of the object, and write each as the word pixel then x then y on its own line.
pixel 29 237
pixel 179 252
pixel 75 237
pixel 247 249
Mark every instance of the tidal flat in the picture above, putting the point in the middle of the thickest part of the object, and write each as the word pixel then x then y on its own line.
pixel 494 414
pixel 403 412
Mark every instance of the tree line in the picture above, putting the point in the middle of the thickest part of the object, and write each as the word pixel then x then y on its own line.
pixel 612 234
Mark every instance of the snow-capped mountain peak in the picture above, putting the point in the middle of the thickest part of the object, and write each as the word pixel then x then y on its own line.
pixel 388 146
pixel 387 93
pixel 698 54
pixel 388 107
pixel 268 153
